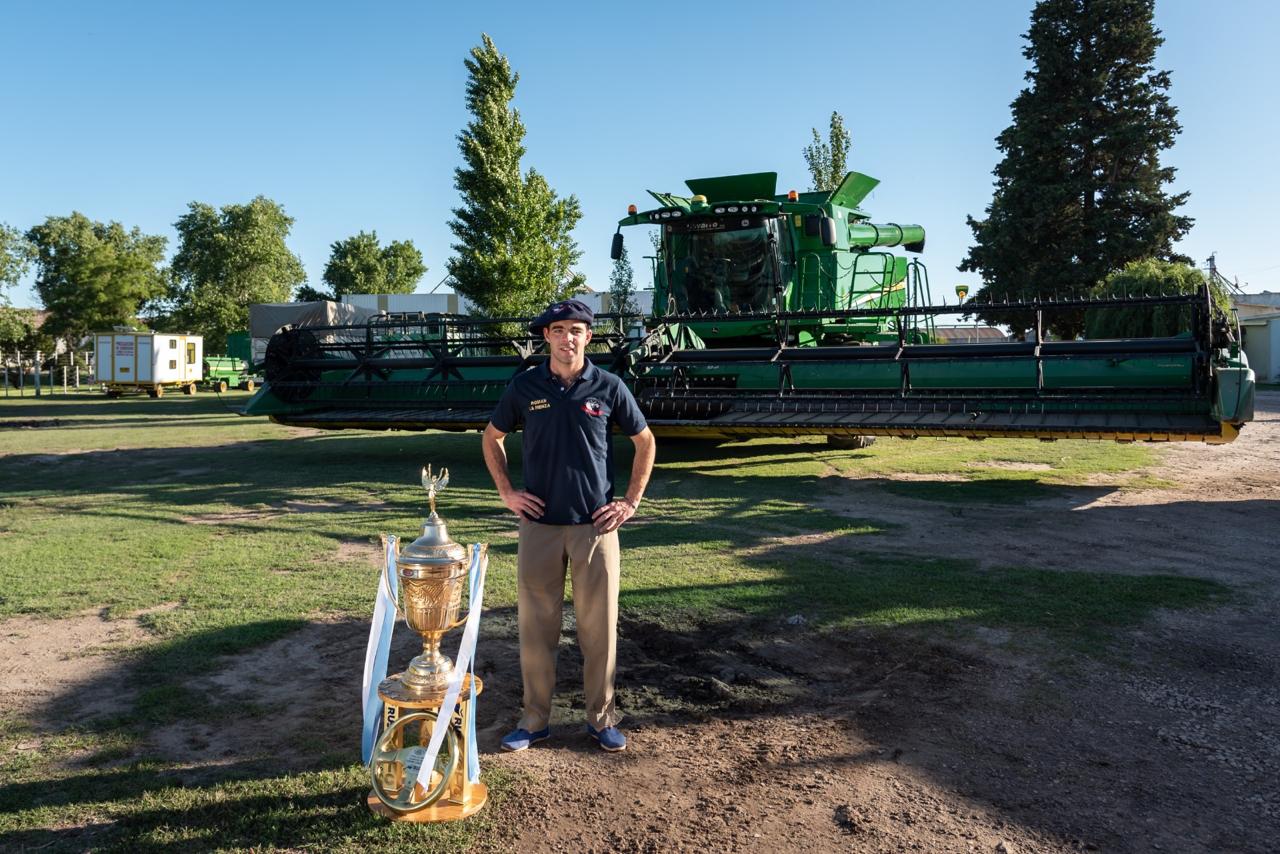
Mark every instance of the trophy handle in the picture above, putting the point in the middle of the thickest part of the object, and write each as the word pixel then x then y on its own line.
pixel 484 551
pixel 386 585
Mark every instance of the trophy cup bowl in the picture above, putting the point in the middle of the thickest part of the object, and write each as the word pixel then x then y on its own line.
pixel 432 598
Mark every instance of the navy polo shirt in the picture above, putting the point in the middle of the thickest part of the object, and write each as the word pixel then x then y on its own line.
pixel 568 458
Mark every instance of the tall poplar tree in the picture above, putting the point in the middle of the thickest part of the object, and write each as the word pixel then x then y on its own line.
pixel 622 287
pixel 515 251
pixel 1080 191
pixel 827 160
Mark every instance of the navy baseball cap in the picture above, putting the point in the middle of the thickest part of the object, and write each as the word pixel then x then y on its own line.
pixel 569 309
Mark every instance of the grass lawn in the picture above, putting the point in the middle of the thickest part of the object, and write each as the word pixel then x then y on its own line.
pixel 224 533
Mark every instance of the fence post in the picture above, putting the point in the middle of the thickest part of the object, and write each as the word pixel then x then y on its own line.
pixel 77 366
pixel 36 371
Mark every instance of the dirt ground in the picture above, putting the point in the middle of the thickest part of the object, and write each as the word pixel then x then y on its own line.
pixel 749 737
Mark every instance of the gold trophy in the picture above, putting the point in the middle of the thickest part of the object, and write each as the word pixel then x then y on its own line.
pixel 432 572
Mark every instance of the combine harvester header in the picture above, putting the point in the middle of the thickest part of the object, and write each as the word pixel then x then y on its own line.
pixel 782 315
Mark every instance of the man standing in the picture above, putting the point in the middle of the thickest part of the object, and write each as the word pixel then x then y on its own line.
pixel 568 515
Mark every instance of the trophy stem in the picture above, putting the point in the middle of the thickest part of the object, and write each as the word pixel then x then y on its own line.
pixel 430 672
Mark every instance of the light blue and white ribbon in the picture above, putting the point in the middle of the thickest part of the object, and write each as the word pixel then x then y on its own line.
pixel 479 565
pixel 464 664
pixel 375 656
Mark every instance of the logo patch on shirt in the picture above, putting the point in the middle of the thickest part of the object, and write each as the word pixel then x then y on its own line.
pixel 591 406
pixel 535 405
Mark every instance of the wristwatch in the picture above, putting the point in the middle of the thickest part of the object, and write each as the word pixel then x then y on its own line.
pixel 635 505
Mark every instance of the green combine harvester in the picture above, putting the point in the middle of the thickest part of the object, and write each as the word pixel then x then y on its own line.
pixel 784 315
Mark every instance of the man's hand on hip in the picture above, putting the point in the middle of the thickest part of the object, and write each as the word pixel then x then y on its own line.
pixel 611 516
pixel 525 505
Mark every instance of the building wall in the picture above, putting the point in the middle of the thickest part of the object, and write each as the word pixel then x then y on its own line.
pixel 1262 347
pixel 1271 298
pixel 1273 374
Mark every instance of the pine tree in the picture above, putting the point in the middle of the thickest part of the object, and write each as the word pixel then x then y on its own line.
pixel 1080 191
pixel 622 287
pixel 826 160
pixel 515 251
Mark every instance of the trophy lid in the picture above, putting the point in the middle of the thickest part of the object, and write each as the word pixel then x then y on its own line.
pixel 433 549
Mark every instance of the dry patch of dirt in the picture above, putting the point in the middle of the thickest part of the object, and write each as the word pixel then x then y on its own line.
pixel 284 508
pixel 43 660
pixel 358 550
pixel 940 477
pixel 295 701
pixel 230 516
pixel 1011 465
pixel 1218 519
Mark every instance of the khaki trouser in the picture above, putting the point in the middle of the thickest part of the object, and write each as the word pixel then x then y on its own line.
pixel 544 552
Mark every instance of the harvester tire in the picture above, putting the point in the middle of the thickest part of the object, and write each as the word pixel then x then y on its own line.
pixel 189 388
pixel 220 386
pixel 850 443
pixel 249 385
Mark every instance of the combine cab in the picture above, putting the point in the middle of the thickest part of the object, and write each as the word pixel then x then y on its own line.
pixel 789 315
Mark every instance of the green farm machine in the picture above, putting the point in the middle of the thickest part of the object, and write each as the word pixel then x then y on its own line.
pixel 782 315
pixel 235 369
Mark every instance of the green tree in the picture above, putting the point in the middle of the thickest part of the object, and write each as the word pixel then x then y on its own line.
pixel 515 251
pixel 16 254
pixel 1150 276
pixel 227 260
pixel 1080 191
pixel 826 160
pixel 360 265
pixel 622 287
pixel 306 293
pixel 17 328
pixel 92 275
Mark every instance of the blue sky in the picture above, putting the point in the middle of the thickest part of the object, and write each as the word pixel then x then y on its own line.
pixel 348 114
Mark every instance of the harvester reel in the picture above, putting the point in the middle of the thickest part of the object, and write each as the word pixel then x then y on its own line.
pixel 289 382
pixel 394 766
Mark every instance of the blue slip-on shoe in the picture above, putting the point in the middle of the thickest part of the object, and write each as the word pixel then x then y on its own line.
pixel 610 738
pixel 520 739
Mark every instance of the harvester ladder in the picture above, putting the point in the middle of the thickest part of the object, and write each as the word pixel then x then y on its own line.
pixel 918 294
pixel 813 276
pixel 859 298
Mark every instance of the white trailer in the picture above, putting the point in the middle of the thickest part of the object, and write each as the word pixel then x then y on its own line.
pixel 148 361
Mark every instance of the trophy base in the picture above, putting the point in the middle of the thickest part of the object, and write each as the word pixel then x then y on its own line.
pixel 442 810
